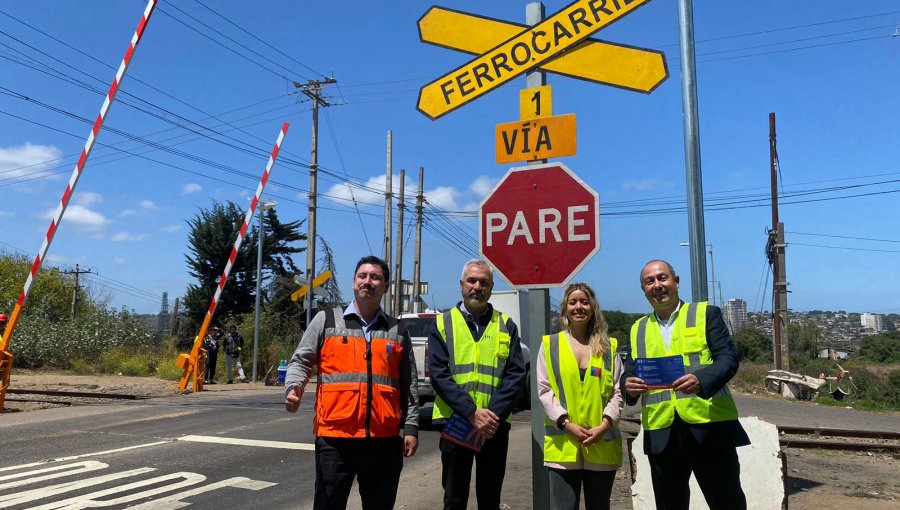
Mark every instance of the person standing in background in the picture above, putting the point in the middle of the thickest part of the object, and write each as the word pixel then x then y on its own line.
pixel 234 343
pixel 211 344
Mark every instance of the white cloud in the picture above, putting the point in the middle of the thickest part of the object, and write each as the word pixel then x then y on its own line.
pixel 119 261
pixel 6 214
pixel 27 159
pixel 193 187
pixel 171 228
pixel 482 185
pixel 647 184
pixel 81 216
pixel 125 236
pixel 443 197
pixel 144 205
pixel 86 198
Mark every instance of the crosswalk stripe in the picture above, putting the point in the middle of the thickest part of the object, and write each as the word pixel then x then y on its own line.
pixel 248 442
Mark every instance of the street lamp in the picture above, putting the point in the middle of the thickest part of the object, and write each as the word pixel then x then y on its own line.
pixel 712 268
pixel 264 205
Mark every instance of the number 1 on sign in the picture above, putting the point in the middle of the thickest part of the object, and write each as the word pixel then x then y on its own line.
pixel 535 103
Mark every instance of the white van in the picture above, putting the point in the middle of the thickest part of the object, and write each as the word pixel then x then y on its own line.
pixel 417 324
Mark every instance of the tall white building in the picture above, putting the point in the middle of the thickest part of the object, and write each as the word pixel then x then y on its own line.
pixel 873 321
pixel 735 312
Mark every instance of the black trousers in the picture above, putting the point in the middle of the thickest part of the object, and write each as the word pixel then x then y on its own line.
pixel 211 357
pixel 714 464
pixel 490 467
pixel 566 485
pixel 375 463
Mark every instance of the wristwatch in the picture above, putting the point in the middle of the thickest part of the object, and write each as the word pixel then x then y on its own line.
pixel 562 422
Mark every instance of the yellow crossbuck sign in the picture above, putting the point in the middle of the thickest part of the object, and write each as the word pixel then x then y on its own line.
pixel 558 44
pixel 317 281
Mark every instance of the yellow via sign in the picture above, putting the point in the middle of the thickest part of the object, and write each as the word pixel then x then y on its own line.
pixel 507 50
pixel 537 138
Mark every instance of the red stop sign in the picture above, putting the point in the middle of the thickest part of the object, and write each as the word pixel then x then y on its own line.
pixel 539 226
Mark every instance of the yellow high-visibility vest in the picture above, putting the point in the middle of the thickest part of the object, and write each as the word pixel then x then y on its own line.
pixel 476 367
pixel 689 341
pixel 584 401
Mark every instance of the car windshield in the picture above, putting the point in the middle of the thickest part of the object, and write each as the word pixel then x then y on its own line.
pixel 416 326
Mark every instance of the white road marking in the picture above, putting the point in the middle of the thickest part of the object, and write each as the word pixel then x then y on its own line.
pixel 74 457
pixel 174 501
pixel 93 500
pixel 248 442
pixel 55 471
pixel 54 490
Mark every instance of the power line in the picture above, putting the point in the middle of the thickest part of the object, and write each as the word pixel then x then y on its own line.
pixel 852 248
pixel 845 237
pixel 258 39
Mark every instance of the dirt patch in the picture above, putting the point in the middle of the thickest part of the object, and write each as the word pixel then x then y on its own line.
pixel 838 480
pixel 140 387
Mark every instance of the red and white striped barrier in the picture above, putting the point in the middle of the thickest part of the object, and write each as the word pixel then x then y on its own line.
pixel 192 364
pixel 64 202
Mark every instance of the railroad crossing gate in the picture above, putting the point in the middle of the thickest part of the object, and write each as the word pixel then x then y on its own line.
pixel 558 44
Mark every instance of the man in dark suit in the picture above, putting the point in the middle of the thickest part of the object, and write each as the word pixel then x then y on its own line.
pixel 692 427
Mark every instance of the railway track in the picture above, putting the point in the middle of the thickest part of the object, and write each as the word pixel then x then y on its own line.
pixel 839 439
pixel 65 398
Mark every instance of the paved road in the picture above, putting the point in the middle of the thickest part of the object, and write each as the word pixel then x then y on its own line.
pixel 239 449
pixel 807 414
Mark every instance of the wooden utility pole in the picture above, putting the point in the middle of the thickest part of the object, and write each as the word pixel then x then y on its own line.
pixel 313 90
pixel 398 272
pixel 77 272
pixel 417 262
pixel 775 250
pixel 388 219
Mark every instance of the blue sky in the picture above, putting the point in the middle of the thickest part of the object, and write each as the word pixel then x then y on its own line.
pixel 828 69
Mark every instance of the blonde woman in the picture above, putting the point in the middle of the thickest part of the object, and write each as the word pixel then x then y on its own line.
pixel 578 384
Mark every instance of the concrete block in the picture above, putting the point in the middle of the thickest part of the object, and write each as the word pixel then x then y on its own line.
pixel 762 474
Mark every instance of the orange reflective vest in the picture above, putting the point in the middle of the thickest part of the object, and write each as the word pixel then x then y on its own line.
pixel 358 392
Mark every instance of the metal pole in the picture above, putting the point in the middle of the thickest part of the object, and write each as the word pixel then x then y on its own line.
pixel 398 272
pixel 417 262
pixel 696 229
pixel 537 323
pixel 259 253
pixel 712 268
pixel 388 219
pixel 311 215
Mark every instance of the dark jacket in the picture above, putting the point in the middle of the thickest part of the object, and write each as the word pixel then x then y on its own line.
pixel 233 343
pixel 712 378
pixel 511 380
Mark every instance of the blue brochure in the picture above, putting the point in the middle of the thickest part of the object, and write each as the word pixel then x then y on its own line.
pixel 659 373
pixel 458 430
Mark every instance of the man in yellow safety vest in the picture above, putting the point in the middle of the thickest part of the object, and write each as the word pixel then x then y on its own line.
pixel 691 426
pixel 476 364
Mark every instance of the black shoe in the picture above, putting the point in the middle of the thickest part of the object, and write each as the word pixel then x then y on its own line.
pixel 229 382
pixel 212 382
